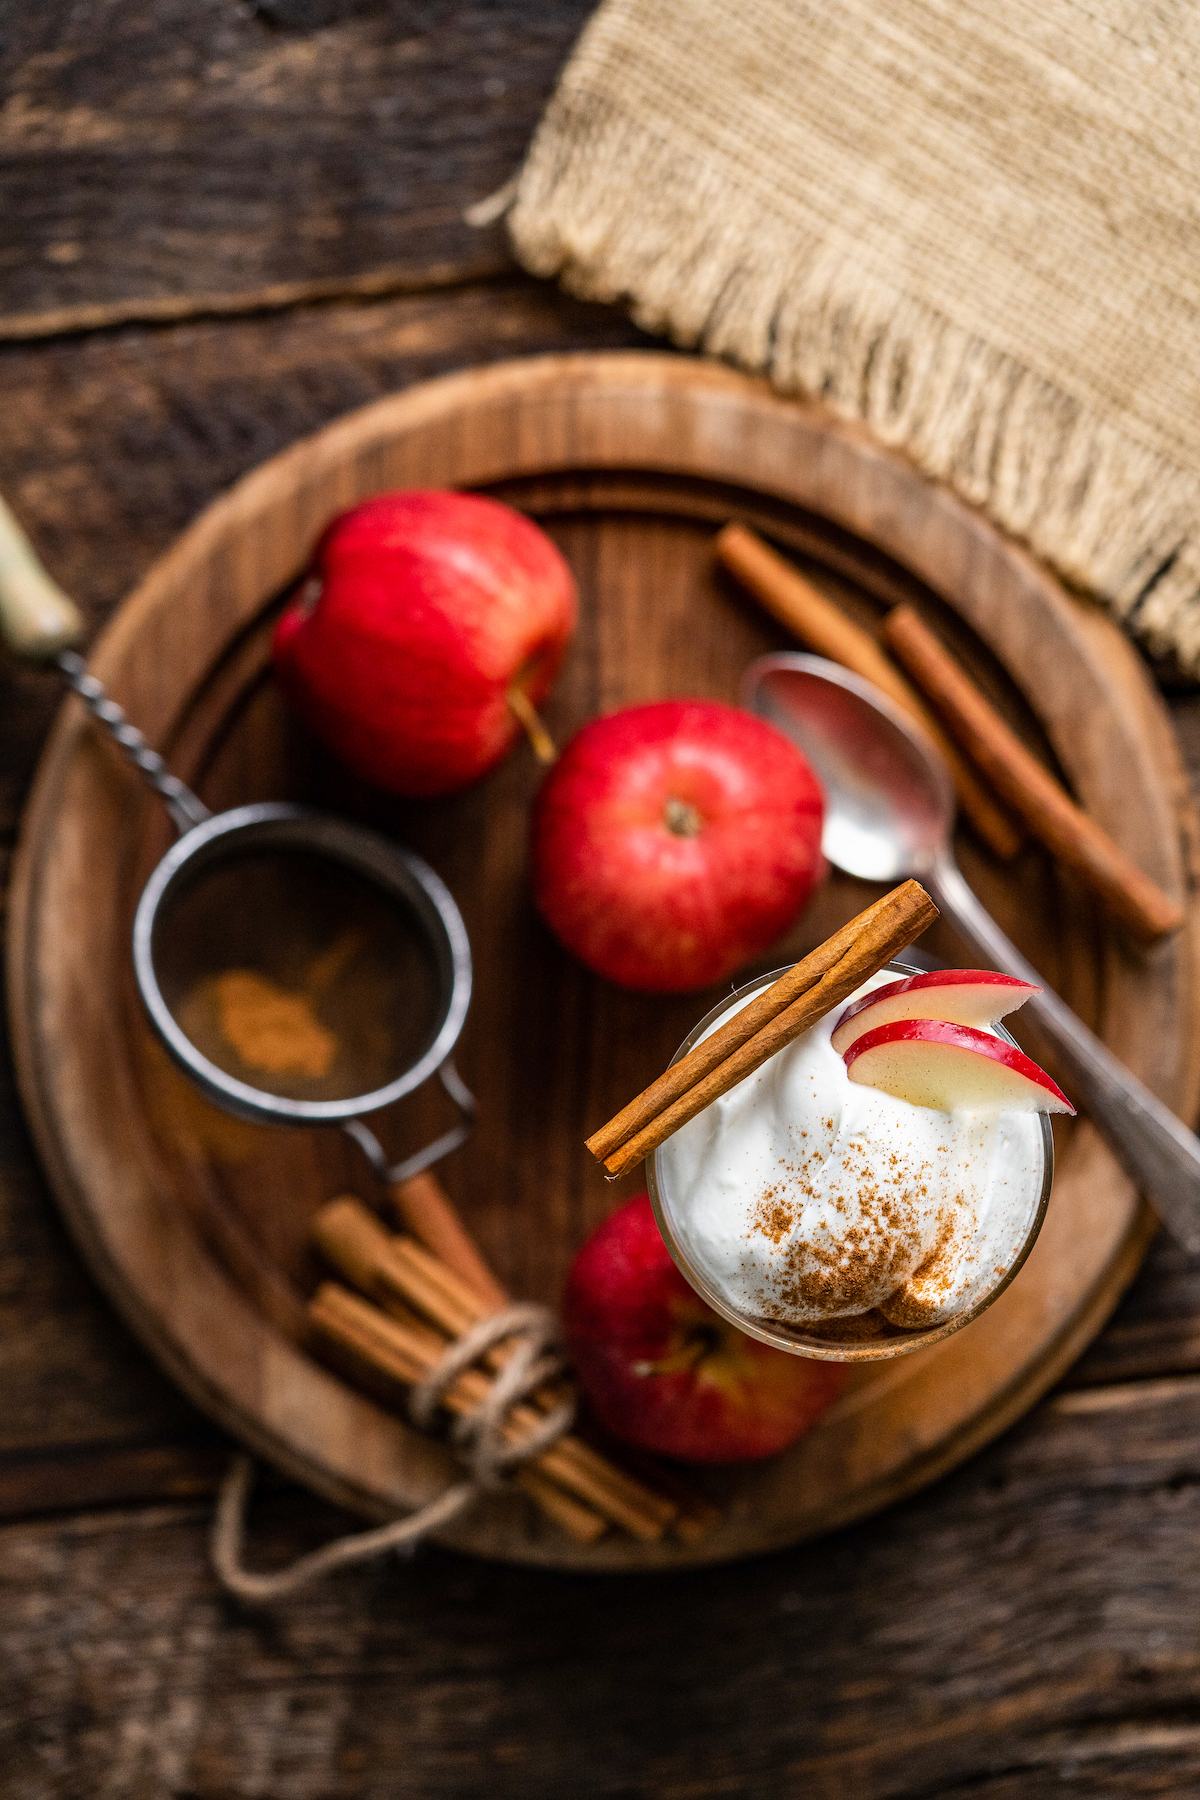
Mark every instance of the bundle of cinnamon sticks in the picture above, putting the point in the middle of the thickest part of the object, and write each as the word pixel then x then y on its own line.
pixel 402 1308
pixel 1001 786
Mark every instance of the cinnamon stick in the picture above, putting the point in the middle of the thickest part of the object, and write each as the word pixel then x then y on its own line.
pixel 714 1049
pixel 581 1522
pixel 817 622
pixel 1051 815
pixel 434 1220
pixel 408 1356
pixel 396 1269
pixel 698 1515
pixel 772 1019
pixel 429 1213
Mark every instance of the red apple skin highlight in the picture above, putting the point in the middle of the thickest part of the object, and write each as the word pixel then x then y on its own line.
pixel 663 1371
pixel 672 842
pixel 966 996
pixel 422 608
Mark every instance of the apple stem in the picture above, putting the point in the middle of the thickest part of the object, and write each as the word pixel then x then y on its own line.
pixel 522 707
pixel 682 820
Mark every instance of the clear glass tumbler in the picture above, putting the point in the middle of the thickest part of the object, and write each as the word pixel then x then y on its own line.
pixel 802 1340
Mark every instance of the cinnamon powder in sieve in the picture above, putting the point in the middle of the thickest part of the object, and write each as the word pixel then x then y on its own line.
pixel 273 1031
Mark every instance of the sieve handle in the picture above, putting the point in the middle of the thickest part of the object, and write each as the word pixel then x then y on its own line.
pixel 184 807
pixel 37 620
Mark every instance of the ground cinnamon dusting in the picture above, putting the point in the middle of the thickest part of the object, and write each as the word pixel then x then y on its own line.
pixel 841 1280
pixel 272 1030
pixel 917 1304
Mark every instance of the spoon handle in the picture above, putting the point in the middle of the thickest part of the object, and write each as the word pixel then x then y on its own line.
pixel 1155 1148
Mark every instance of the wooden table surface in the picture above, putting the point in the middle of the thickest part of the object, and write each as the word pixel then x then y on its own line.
pixel 1026 1627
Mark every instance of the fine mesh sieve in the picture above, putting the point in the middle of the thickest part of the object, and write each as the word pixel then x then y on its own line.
pixel 300 969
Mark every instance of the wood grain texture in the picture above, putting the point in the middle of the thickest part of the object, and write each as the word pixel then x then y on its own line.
pixel 151 150
pixel 169 1202
pixel 1025 1630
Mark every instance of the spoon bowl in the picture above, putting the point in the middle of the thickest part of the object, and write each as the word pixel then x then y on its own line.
pixel 889 800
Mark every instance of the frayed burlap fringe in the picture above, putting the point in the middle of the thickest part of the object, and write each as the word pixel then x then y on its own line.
pixel 692 204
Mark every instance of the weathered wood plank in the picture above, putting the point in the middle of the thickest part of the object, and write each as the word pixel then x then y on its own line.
pixel 151 149
pixel 1156 1329
pixel 997 1637
pixel 88 1475
pixel 1185 716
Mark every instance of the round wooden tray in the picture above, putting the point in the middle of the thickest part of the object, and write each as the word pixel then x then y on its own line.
pixel 197 1224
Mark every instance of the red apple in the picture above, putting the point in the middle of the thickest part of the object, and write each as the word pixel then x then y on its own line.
pixel 421 611
pixel 963 996
pixel 672 842
pixel 663 1371
pixel 937 1064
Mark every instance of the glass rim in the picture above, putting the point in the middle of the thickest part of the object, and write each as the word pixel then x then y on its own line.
pixel 793 1339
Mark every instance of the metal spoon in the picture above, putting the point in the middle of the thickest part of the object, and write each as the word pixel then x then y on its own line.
pixel 889 814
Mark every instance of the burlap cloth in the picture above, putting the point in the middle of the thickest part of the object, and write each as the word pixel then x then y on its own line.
pixel 973 224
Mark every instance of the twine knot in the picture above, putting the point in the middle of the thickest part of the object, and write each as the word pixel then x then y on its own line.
pixel 484 1440
pixel 481 1437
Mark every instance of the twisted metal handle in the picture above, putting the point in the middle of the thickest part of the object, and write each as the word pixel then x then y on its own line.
pixel 185 809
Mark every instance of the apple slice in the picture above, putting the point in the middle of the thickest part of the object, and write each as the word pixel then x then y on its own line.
pixel 963 996
pixel 950 1068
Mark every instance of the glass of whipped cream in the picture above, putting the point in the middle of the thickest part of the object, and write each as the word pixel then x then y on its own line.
pixel 836 1221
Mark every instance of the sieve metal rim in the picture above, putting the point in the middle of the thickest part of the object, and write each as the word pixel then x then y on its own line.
pixel 282 824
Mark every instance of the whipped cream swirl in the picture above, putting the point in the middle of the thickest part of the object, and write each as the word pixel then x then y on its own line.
pixel 804 1197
